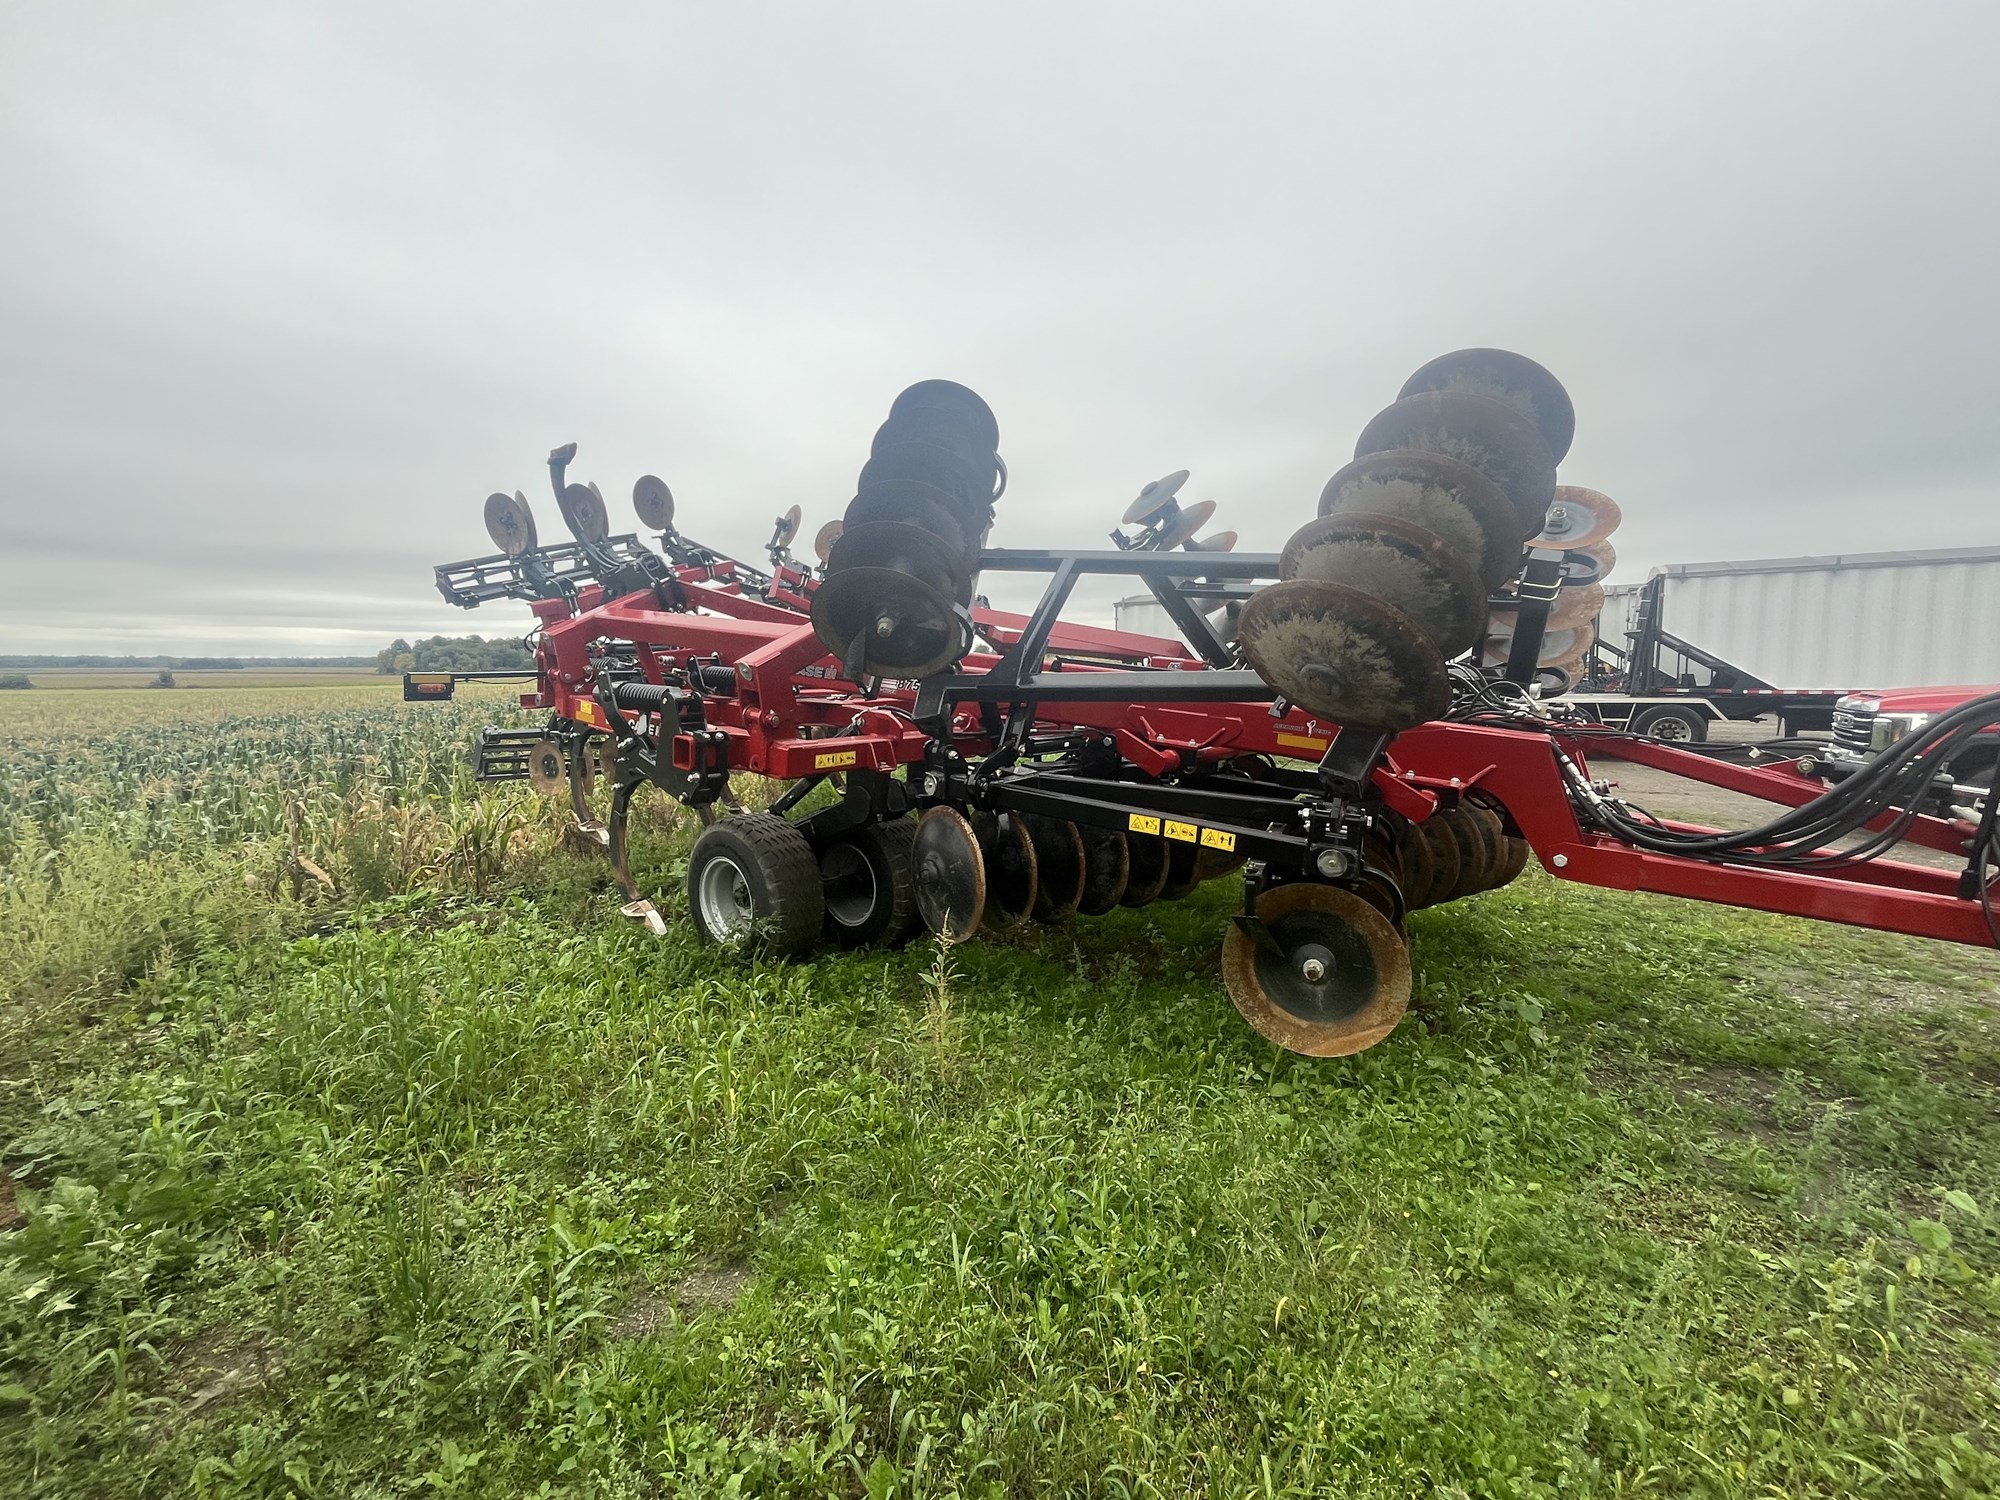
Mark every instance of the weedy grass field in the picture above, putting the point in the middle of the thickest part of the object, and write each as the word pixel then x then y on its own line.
pixel 440 1180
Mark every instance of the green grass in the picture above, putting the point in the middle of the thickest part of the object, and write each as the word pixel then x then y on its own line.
pixel 467 1188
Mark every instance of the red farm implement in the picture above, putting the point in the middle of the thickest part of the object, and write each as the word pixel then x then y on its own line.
pixel 1367 722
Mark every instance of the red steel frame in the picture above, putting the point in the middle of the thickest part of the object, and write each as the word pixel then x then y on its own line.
pixel 790 696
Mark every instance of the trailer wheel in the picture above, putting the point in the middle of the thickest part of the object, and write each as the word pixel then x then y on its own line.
pixel 753 878
pixel 1675 725
pixel 869 880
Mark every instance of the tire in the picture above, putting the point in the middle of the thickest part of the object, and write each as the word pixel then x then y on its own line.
pixel 752 879
pixel 1673 725
pixel 868 880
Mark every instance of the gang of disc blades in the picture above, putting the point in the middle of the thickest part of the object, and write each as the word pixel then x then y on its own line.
pixel 1344 655
pixel 1153 499
pixel 1475 856
pixel 1186 524
pixel 1418 868
pixel 1059 866
pixel 962 402
pixel 510 523
pixel 931 464
pixel 1401 564
pixel 824 539
pixel 1442 846
pixel 1333 978
pixel 1011 875
pixel 1508 377
pixel 1576 605
pixel 1490 435
pixel 1577 518
pixel 1215 541
pixel 583 509
pixel 653 502
pixel 1439 494
pixel 912 629
pixel 913 503
pixel 1147 874
pixel 951 874
pixel 788 527
pixel 1493 834
pixel 1107 866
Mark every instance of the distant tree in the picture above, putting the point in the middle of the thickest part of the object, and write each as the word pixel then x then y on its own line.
pixel 163 678
pixel 14 680
pixel 387 658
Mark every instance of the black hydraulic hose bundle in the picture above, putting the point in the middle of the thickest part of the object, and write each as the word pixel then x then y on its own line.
pixel 1895 780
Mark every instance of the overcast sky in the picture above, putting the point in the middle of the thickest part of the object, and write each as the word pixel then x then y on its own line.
pixel 286 290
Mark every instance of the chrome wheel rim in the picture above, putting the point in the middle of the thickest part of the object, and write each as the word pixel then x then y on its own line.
pixel 727 908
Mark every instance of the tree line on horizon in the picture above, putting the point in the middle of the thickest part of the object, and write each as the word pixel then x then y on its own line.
pixel 461 653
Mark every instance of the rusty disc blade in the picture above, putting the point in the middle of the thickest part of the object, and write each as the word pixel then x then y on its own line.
pixel 1439 494
pixel 1147 875
pixel 1604 553
pixel 1577 518
pixel 1344 655
pixel 510 523
pixel 1107 867
pixel 1577 606
pixel 1059 866
pixel 1507 377
pixel 911 629
pixel 1336 978
pixel 1215 541
pixel 1477 430
pixel 1010 870
pixel 825 538
pixel 951 874
pixel 788 527
pixel 1183 870
pixel 583 510
pixel 965 405
pixel 653 502
pixel 548 770
pixel 1493 833
pixel 1213 864
pixel 1419 870
pixel 1154 498
pixel 1400 563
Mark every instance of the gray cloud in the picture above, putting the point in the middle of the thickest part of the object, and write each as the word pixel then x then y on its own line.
pixel 286 290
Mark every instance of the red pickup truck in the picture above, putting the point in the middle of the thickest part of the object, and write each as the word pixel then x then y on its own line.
pixel 1865 724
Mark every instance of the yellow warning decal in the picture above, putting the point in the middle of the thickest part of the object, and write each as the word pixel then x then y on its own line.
pixel 1187 833
pixel 833 760
pixel 1142 823
pixel 588 712
pixel 1302 742
pixel 1215 838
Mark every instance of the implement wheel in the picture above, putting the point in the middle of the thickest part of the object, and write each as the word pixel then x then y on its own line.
pixel 753 879
pixel 869 878
pixel 1334 978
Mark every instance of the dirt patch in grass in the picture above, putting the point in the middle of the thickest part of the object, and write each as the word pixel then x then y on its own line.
pixel 11 1216
pixel 222 1368
pixel 705 1288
